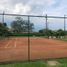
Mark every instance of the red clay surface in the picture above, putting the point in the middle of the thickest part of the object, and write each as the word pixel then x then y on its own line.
pixel 16 49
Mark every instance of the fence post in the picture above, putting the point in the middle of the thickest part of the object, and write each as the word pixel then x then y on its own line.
pixel 46 26
pixel 64 24
pixel 28 38
pixel 3 17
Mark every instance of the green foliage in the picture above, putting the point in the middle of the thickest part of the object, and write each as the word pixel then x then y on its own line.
pixel 19 25
pixel 60 32
pixel 56 33
pixel 26 34
pixel 62 63
pixel 26 64
pixel 4 30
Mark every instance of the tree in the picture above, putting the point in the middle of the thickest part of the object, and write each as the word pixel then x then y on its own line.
pixel 47 33
pixel 40 31
pixel 56 33
pixel 3 29
pixel 19 25
pixel 60 32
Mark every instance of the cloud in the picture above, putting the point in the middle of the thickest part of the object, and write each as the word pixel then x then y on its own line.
pixel 24 6
pixel 14 6
pixel 41 2
pixel 21 8
pixel 37 7
pixel 59 8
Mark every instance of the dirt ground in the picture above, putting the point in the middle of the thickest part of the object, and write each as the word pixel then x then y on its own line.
pixel 16 49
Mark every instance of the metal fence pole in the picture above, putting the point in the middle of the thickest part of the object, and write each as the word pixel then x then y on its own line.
pixel 64 24
pixel 46 22
pixel 28 38
pixel 46 26
pixel 3 17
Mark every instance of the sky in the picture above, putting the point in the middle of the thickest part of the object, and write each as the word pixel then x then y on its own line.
pixel 34 7
pixel 37 7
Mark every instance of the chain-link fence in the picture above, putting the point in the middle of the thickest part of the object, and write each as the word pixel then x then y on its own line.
pixel 30 37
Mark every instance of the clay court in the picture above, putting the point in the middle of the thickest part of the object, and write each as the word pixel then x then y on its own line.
pixel 16 48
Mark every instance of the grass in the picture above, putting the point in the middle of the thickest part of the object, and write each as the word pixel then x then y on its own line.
pixel 26 64
pixel 62 61
pixel 65 39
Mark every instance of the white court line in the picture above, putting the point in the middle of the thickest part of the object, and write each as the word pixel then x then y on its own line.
pixel 15 43
pixel 8 44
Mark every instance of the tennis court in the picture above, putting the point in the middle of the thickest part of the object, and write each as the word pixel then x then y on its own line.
pixel 16 49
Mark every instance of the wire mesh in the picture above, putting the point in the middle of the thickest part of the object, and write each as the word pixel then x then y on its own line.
pixel 29 37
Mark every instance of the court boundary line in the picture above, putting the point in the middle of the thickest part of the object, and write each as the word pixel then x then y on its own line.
pixel 7 45
pixel 15 44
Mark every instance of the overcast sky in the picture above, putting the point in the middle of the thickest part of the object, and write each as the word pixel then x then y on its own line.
pixel 37 7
